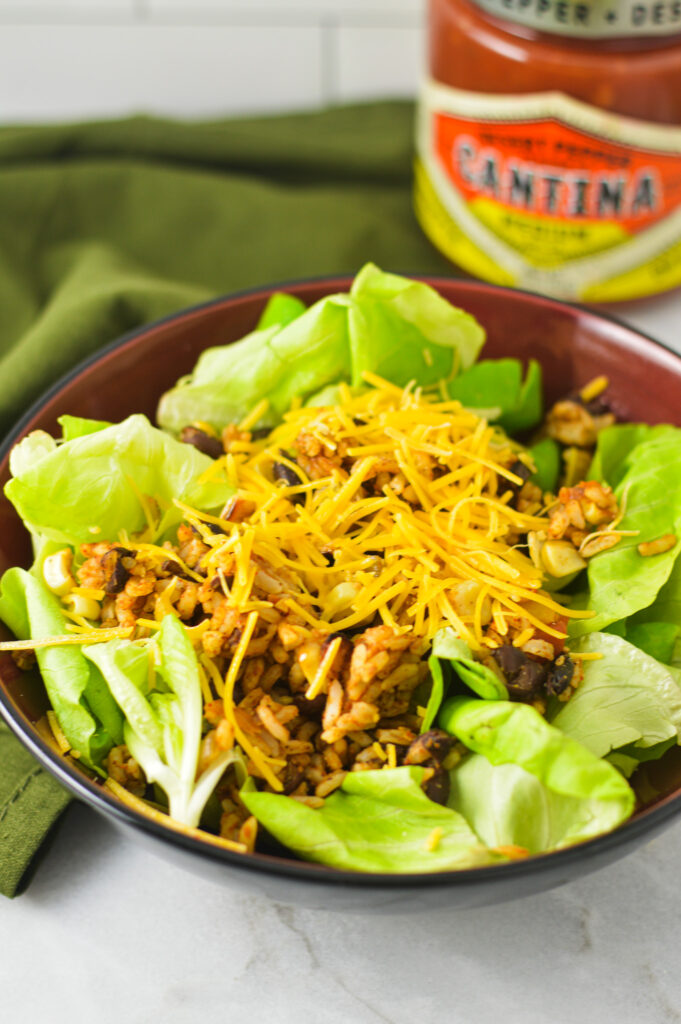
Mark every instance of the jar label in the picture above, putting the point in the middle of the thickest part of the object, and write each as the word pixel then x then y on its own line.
pixel 548 193
pixel 591 19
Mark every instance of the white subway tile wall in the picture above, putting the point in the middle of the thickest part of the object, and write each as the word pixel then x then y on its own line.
pixel 73 59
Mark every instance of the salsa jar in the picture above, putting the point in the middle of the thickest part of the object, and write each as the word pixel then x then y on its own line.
pixel 549 144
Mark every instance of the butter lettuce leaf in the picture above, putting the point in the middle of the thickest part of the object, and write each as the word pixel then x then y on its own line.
pixel 277 362
pixel 30 450
pixel 583 796
pixel 79 426
pixel 86 714
pixel 627 701
pixel 13 608
pixel 508 806
pixel 393 326
pixel 621 582
pixel 658 639
pixel 546 457
pixel 94 482
pixel 499 383
pixel 404 330
pixel 377 821
pixel 281 309
pixel 667 605
pixel 615 443
pixel 162 728
pixel 439 674
pixel 479 678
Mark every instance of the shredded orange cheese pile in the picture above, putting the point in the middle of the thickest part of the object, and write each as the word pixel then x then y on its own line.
pixel 458 532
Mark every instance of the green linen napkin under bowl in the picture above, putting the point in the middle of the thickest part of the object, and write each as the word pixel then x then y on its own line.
pixel 104 227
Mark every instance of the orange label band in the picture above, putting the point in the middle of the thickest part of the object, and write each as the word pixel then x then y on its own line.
pixel 555 194
pixel 549 168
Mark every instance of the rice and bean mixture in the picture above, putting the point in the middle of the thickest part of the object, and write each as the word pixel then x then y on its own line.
pixel 355 533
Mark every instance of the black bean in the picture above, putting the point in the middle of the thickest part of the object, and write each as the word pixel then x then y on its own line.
pixel 293 776
pixel 560 674
pixel 524 472
pixel 527 683
pixel 510 659
pixel 519 468
pixel 169 565
pixel 198 616
pixel 285 475
pixel 310 708
pixel 437 786
pixel 433 745
pixel 211 446
pixel 522 674
pixel 118 575
pixel 237 509
pixel 598 406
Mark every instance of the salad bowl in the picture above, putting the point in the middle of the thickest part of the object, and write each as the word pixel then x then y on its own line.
pixel 573 345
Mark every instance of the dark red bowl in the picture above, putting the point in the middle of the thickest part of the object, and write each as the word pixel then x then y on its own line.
pixel 573 345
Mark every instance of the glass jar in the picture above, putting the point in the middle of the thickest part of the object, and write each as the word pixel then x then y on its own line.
pixel 549 144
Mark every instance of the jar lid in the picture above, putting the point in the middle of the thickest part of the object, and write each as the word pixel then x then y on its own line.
pixel 591 19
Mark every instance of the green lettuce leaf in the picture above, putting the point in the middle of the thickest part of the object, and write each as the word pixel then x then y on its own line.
pixel 163 727
pixel 479 678
pixel 615 443
pixel 499 382
pixel 393 326
pixel 31 450
pixel 620 580
pixel 508 806
pixel 627 701
pixel 124 664
pixel 13 608
pixel 587 795
pixel 31 610
pixel 658 639
pixel 99 700
pixel 667 605
pixel 279 363
pixel 281 309
pixel 404 330
pixel 377 821
pixel 79 426
pixel 546 456
pixel 95 481
pixel 438 690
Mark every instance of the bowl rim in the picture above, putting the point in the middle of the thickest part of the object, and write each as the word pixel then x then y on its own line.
pixel 93 794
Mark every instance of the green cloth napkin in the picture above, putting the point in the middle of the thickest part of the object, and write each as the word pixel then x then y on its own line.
pixel 104 227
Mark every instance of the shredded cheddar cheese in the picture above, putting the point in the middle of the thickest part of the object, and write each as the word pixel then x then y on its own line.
pixel 318 683
pixel 95 595
pixel 259 759
pixel 95 636
pixel 60 738
pixel 427 492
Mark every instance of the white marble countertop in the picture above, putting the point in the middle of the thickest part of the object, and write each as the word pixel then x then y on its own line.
pixel 109 933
